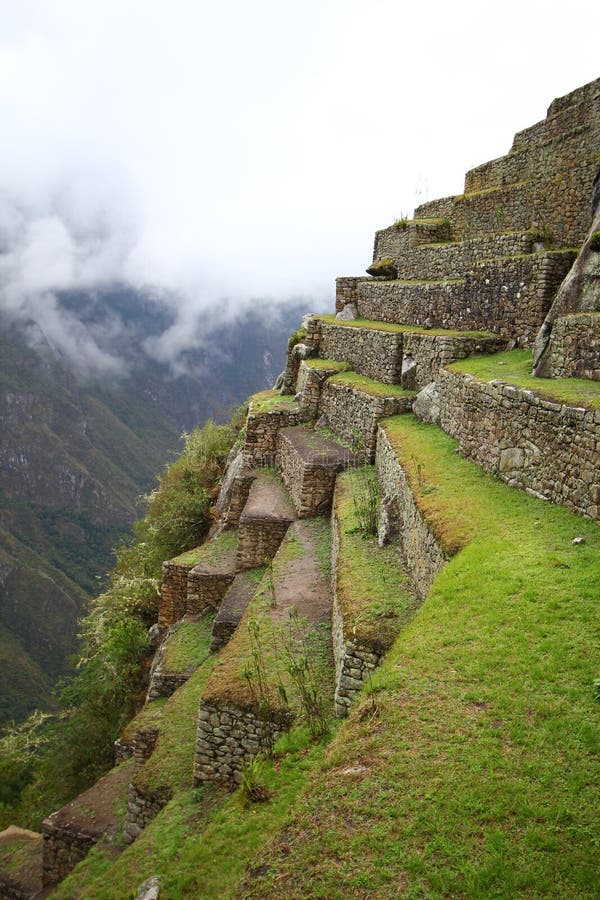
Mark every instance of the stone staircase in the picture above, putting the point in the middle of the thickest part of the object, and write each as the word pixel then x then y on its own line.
pixel 474 274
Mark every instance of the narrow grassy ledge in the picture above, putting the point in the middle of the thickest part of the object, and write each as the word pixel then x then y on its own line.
pixel 268 401
pixel 150 716
pixel 514 367
pixel 189 646
pixel 170 765
pixel 228 683
pixel 369 386
pixel 376 325
pixel 332 364
pixel 374 593
pixel 209 552
pixel 472 768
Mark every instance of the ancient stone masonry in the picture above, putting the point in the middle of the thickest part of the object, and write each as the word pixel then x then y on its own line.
pixel 173 590
pixel 142 807
pixel 228 736
pixel 262 426
pixel 353 413
pixel 551 450
pixel 312 375
pixel 264 522
pixel 233 607
pixel 309 464
pixel 575 346
pixel 376 354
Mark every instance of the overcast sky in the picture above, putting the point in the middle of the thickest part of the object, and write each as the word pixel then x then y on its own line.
pixel 250 149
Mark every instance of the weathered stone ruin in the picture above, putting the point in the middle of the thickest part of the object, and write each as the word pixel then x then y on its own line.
pixel 513 262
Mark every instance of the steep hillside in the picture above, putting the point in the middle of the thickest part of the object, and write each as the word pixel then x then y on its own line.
pixel 77 453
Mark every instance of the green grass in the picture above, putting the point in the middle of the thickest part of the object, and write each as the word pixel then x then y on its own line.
pixel 376 325
pixel 369 386
pixel 514 367
pixel 203 841
pixel 374 592
pixel 209 552
pixel 478 767
pixel 17 853
pixel 227 682
pixel 333 365
pixel 189 645
pixel 271 400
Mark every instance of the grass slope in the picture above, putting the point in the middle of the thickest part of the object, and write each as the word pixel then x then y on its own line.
pixel 476 775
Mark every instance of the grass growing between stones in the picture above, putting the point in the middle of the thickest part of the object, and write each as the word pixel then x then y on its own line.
pixel 514 368
pixel 189 645
pixel 375 325
pixel 374 593
pixel 472 770
pixel 369 386
pixel 332 364
pixel 202 842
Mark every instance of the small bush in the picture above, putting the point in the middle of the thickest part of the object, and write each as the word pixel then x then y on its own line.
pixel 401 223
pixel 366 501
pixel 595 242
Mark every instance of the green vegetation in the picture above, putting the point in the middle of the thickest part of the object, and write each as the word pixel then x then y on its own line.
pixel 595 241
pixel 77 746
pixel 401 329
pixel 296 338
pixel 335 365
pixel 374 592
pixel 402 223
pixel 269 401
pixel 209 552
pixel 189 645
pixel 514 367
pixel 475 774
pixel 189 844
pixel 369 386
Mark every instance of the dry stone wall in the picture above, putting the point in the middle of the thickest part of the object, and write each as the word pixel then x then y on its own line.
pixel 173 592
pixel 575 346
pixel 229 736
pixel 261 434
pixel 142 807
pixel 354 414
pixel 550 450
pixel 376 354
pixel 64 847
pixel 205 589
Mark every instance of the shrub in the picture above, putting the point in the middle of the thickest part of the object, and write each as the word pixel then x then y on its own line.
pixel 595 242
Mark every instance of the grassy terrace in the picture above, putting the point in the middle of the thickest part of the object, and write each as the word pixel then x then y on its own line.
pixel 373 590
pixel 369 386
pixel 476 773
pixel 514 368
pixel 189 645
pixel 209 552
pixel 333 365
pixel 401 329
pixel 228 683
pixel 271 400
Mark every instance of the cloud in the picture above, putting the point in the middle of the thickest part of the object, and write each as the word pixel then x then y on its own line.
pixel 219 156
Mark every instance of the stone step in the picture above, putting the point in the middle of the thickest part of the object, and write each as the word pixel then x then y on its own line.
pixel 309 462
pixel 71 832
pixel 234 605
pixel 237 719
pixel 267 413
pixel 509 294
pixel 394 354
pixel 264 521
pixel 351 405
pixel 210 578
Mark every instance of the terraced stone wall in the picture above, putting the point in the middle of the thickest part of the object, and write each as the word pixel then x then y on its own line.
pixel 205 590
pixel 261 434
pixel 422 551
pixel 376 354
pixel 429 352
pixel 508 296
pixel 229 736
pixel 353 415
pixel 550 450
pixel 575 346
pixel 142 807
pixel 173 592
pixel 64 847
